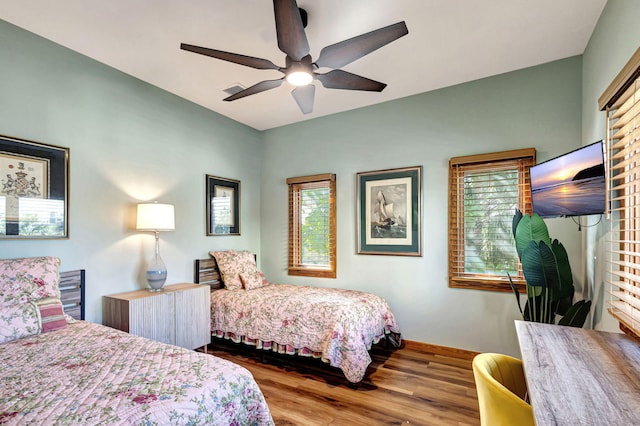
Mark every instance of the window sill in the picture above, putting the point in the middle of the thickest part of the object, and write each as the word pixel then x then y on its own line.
pixel 487 284
pixel 317 273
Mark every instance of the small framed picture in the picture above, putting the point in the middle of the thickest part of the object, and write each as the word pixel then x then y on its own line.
pixel 389 212
pixel 223 206
pixel 34 190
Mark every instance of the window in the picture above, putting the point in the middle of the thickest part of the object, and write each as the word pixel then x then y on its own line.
pixel 312 225
pixel 484 192
pixel 621 101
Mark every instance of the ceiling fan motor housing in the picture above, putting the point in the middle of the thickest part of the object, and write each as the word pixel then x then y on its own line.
pixel 301 69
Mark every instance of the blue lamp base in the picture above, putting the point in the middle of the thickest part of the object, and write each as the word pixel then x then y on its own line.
pixel 156 271
pixel 156 279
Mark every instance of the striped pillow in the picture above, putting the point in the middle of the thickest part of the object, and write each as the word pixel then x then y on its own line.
pixel 51 314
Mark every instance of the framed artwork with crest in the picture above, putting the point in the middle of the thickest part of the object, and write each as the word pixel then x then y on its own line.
pixel 34 190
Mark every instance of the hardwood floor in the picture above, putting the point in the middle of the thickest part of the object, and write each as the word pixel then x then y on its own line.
pixel 415 385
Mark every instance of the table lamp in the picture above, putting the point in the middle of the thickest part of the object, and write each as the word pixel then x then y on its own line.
pixel 156 217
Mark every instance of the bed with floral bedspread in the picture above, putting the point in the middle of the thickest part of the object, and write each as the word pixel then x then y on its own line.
pixel 339 326
pixel 55 370
pixel 91 374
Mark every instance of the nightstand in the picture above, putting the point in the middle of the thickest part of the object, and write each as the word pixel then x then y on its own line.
pixel 180 314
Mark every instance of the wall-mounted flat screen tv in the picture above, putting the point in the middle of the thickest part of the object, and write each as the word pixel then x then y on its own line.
pixel 572 184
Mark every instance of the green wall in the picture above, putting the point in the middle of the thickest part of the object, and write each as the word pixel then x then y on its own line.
pixel 128 141
pixel 539 107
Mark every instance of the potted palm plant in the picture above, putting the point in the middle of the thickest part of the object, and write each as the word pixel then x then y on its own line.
pixel 546 269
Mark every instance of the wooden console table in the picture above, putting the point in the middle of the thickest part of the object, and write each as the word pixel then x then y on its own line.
pixel 180 314
pixel 580 377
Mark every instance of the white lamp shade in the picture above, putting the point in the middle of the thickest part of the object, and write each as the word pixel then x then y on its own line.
pixel 155 217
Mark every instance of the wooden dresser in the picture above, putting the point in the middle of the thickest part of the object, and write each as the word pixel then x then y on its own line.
pixel 179 315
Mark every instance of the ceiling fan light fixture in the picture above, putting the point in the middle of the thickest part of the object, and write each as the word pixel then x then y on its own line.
pixel 300 69
pixel 299 78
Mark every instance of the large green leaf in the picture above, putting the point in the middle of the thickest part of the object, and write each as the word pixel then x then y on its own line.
pixel 539 266
pixel 564 269
pixel 577 314
pixel 516 220
pixel 530 228
pixel 564 293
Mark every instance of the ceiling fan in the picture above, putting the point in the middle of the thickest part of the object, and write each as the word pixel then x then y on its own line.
pixel 300 70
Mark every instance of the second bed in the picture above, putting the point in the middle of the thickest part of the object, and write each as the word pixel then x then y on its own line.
pixel 337 325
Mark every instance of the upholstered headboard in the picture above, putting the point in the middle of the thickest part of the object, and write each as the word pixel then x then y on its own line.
pixel 72 293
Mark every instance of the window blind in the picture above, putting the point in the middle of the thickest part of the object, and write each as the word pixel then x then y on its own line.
pixel 485 191
pixel 621 101
pixel 312 226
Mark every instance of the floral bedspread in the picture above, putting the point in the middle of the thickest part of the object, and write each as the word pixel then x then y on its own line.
pixel 340 325
pixel 86 374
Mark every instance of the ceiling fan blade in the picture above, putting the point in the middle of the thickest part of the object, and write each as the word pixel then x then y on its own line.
pixel 256 88
pixel 249 61
pixel 304 97
pixel 291 37
pixel 338 79
pixel 343 53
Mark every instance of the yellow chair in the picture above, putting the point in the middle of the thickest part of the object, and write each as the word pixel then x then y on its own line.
pixel 501 389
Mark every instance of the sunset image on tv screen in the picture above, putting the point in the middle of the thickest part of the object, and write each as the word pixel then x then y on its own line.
pixel 570 185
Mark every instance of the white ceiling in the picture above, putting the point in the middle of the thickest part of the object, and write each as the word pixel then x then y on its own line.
pixel 449 42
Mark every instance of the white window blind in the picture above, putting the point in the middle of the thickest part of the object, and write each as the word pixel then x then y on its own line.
pixel 485 190
pixel 622 104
